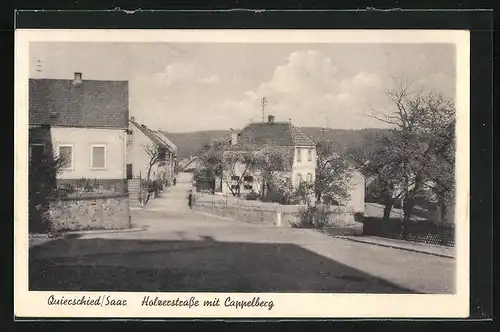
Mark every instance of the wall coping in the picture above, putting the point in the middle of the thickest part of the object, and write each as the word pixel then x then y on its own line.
pixel 92 196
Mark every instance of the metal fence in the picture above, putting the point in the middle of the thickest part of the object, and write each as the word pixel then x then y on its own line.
pixel 422 231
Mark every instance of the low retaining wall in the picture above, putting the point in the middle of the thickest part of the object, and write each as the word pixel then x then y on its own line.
pixel 90 212
pixel 341 221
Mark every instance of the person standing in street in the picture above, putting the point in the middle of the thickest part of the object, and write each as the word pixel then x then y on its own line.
pixel 190 199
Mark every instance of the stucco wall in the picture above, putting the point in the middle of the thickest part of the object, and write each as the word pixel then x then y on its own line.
pixel 82 140
pixel 305 166
pixel 357 192
pixel 138 157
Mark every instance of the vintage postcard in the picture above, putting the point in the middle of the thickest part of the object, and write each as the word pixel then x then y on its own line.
pixel 241 173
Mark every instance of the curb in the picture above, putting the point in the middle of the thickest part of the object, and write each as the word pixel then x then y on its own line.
pixel 397 247
pixel 103 231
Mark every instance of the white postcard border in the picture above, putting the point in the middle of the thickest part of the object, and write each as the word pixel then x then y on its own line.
pixel 287 305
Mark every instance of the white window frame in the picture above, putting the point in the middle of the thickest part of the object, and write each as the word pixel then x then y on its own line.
pixel 299 155
pixel 309 155
pixel 31 150
pixel 92 156
pixel 72 146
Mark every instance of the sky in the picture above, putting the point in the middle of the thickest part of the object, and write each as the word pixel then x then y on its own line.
pixel 183 87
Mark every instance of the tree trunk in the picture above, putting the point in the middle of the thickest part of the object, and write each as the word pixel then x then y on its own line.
pixel 387 209
pixel 408 205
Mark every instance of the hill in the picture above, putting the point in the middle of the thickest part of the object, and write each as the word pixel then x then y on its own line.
pixel 190 143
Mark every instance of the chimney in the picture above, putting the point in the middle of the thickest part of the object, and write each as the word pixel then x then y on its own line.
pixel 77 78
pixel 234 138
pixel 270 119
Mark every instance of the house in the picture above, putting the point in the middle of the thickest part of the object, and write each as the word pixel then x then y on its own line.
pixel 299 152
pixel 192 164
pixel 356 186
pixel 141 163
pixel 84 121
pixel 171 165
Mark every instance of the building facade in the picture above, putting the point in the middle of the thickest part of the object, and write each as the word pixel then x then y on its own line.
pixel 297 150
pixel 85 122
pixel 141 143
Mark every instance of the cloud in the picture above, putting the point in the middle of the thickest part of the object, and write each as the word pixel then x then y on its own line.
pixel 180 73
pixel 209 79
pixel 308 88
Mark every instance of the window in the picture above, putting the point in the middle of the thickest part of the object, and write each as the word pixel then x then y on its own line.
pixel 98 156
pixel 248 182
pixel 36 152
pixel 66 153
pixel 309 177
pixel 235 178
pixel 310 155
pixel 299 155
pixel 299 178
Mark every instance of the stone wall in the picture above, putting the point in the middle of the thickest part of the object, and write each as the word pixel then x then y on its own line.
pixel 90 213
pixel 341 221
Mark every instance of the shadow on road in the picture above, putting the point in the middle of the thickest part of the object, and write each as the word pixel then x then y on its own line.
pixel 74 264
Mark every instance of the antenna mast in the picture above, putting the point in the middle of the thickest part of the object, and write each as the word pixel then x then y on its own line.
pixel 264 102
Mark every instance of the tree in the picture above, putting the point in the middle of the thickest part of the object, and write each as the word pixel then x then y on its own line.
pixel 211 158
pixel 238 165
pixel 43 189
pixel 270 164
pixel 333 174
pixel 156 156
pixel 417 145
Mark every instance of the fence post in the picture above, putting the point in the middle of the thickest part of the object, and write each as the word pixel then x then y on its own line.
pixel 278 218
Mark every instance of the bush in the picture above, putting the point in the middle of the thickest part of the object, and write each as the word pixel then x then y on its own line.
pixel 251 196
pixel 313 217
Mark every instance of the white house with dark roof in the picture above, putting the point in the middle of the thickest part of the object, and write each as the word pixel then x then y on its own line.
pixel 140 137
pixel 298 149
pixel 84 120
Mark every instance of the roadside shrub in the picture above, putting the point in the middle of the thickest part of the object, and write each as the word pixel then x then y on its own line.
pixel 251 196
pixel 313 217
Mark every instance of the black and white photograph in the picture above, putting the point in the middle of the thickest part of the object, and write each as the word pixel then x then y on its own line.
pixel 258 168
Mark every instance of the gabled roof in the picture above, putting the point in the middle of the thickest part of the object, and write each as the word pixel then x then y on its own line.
pixel 90 103
pixel 161 135
pixel 287 152
pixel 149 134
pixel 276 134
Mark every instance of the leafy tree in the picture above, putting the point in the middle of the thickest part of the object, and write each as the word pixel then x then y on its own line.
pixel 332 183
pixel 42 188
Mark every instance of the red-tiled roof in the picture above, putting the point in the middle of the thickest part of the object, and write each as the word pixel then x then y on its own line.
pixel 261 135
pixel 87 104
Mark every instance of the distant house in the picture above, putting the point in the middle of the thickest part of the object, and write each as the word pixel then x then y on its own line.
pixel 298 149
pixel 84 121
pixel 140 139
pixel 191 165
pixel 357 185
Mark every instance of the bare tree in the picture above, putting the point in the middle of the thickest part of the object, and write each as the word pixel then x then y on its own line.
pixel 421 138
pixel 156 156
pixel 238 165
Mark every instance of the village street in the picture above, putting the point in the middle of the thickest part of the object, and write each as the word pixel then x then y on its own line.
pixel 186 250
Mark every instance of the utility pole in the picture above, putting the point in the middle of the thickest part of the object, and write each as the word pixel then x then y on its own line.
pixel 264 102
